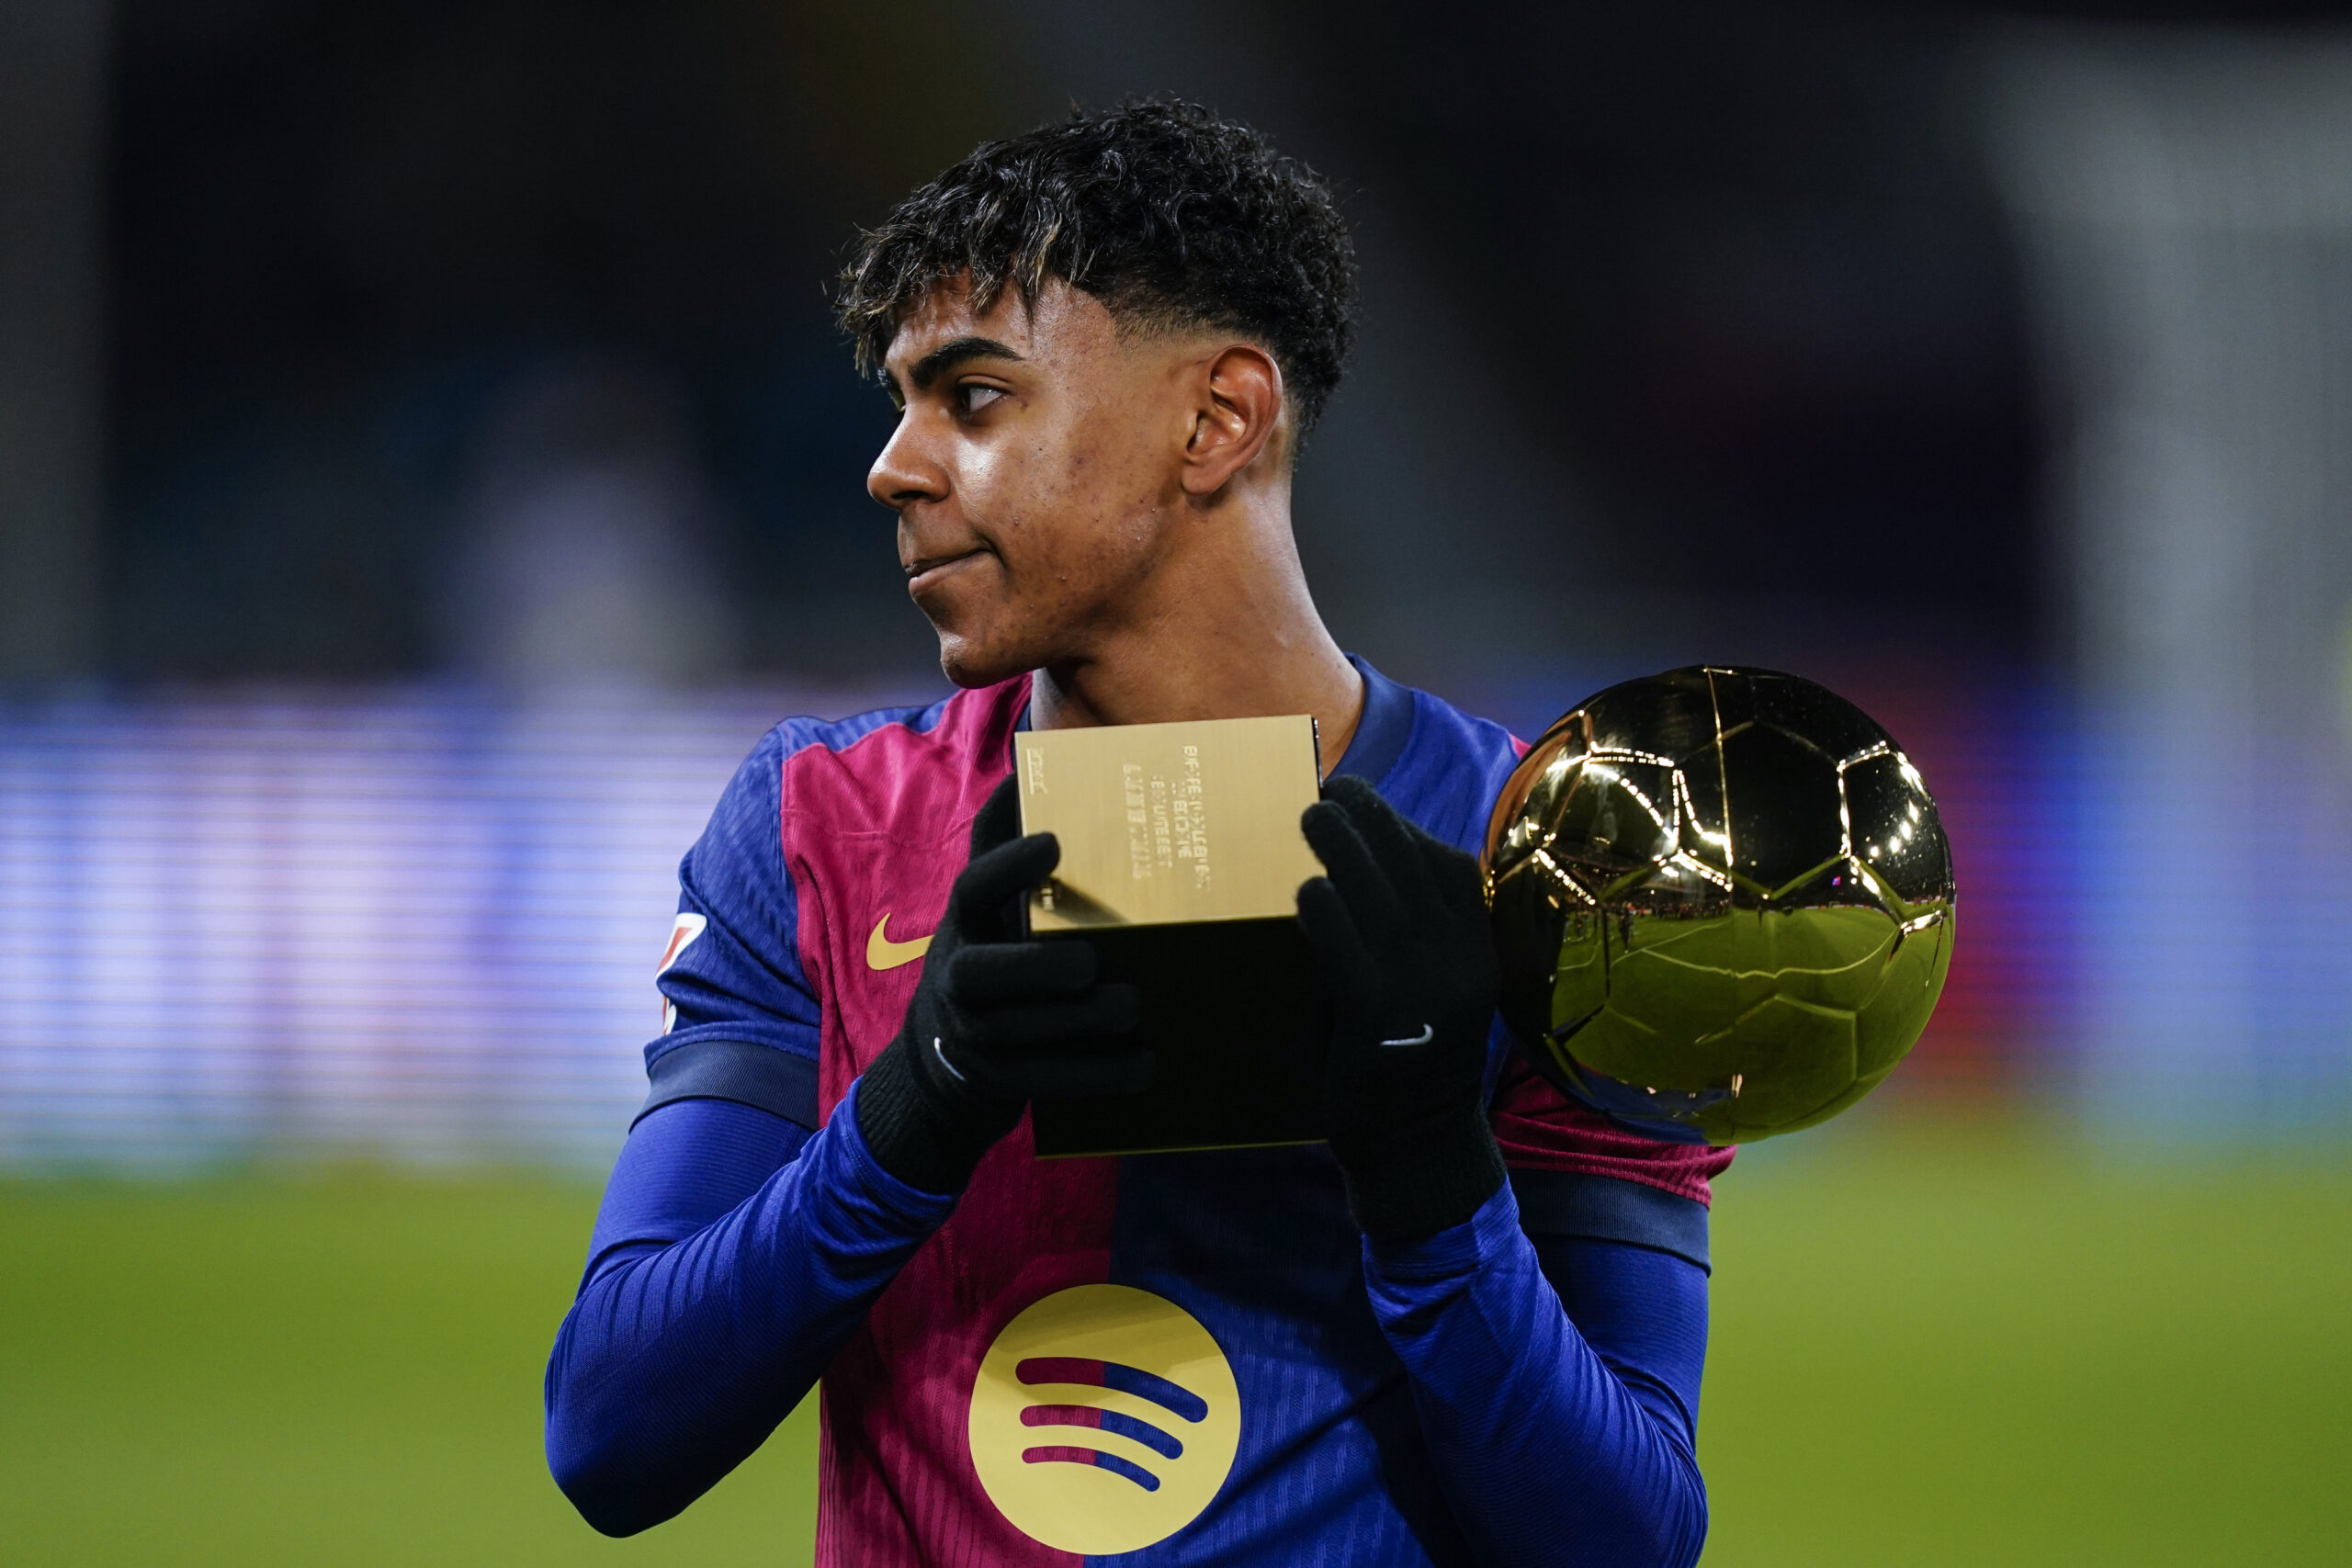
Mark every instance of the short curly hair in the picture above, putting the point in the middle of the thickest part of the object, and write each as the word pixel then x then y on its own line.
pixel 1174 218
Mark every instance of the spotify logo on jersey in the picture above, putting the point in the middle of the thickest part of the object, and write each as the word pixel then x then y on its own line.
pixel 1104 1419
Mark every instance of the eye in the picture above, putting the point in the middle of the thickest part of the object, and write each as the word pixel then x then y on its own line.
pixel 971 397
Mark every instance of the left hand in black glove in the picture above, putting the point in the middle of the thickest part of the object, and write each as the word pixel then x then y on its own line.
pixel 1400 935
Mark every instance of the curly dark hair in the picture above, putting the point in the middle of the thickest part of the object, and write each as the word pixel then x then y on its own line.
pixel 1174 218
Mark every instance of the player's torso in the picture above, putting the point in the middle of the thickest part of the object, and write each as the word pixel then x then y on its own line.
pixel 1171 1354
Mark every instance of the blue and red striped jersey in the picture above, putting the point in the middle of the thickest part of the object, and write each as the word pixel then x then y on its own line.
pixel 1169 1356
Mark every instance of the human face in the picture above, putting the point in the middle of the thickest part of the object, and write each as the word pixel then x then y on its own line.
pixel 1034 471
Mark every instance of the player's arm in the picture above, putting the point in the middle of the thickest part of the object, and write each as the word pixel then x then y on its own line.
pixel 680 1357
pixel 738 1247
pixel 1549 1452
pixel 1556 1380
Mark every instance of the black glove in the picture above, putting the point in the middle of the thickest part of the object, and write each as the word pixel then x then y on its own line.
pixel 996 1019
pixel 1401 942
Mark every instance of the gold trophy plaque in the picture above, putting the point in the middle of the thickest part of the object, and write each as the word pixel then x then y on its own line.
pixel 1161 824
pixel 1181 858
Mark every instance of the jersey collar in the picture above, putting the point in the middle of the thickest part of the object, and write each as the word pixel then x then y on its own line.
pixel 1381 733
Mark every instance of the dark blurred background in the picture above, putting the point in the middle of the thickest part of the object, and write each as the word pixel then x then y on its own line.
pixel 427 463
pixel 1696 313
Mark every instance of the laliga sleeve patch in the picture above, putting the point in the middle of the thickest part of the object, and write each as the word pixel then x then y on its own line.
pixel 1105 1420
pixel 682 937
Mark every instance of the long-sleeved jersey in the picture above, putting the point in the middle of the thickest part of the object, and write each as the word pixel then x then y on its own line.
pixel 1189 1357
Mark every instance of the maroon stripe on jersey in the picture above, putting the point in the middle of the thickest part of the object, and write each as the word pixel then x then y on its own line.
pixel 1061 1415
pixel 1538 1128
pixel 1060 1369
pixel 878 831
pixel 1059 1456
pixel 875 831
pixel 897 1485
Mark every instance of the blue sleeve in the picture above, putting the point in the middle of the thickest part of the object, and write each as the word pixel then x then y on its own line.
pixel 732 971
pixel 1557 1386
pixel 734 1253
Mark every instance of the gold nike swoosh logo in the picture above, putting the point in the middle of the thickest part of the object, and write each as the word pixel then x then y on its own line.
pixel 881 952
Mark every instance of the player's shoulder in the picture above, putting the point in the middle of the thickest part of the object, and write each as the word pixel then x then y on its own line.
pixel 1439 765
pixel 894 769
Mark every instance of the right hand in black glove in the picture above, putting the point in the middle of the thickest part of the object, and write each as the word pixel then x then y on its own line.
pixel 996 1020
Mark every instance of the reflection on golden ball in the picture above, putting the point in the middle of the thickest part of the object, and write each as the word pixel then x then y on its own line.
pixel 1722 901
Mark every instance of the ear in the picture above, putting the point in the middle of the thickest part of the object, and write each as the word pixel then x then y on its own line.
pixel 1240 404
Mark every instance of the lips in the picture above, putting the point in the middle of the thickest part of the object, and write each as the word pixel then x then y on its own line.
pixel 929 572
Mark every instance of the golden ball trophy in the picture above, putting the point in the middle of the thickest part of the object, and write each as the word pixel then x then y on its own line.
pixel 1722 901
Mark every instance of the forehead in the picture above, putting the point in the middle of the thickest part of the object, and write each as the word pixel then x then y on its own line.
pixel 1064 321
pixel 945 313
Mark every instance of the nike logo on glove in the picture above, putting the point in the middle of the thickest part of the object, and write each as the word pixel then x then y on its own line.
pixel 881 952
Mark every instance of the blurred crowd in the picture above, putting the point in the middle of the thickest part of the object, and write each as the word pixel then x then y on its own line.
pixel 420 419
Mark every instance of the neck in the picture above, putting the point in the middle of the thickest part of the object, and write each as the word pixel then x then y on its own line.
pixel 1223 628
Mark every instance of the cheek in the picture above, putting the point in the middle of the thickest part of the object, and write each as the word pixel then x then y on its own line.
pixel 1087 516
pixel 1073 520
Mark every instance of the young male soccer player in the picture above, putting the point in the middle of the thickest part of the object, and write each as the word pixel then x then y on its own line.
pixel 1470 1329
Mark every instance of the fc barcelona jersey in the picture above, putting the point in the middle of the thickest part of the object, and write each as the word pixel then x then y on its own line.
pixel 1168 1356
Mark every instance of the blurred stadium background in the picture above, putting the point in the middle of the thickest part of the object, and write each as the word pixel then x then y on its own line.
pixel 425 467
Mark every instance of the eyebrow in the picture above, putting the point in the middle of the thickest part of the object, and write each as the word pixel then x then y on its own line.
pixel 932 366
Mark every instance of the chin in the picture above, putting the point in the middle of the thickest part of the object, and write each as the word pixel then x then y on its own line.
pixel 975 661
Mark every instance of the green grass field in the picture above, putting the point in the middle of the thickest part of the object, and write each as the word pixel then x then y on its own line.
pixel 1933 1345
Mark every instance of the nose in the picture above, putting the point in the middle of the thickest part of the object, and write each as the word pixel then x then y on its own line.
pixel 904 473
